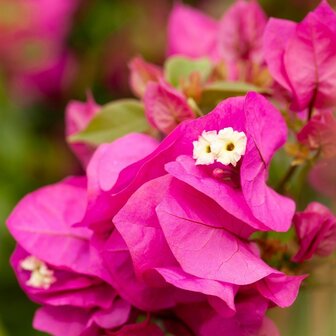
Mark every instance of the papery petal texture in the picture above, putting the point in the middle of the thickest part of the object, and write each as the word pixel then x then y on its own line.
pixel 104 170
pixel 311 81
pixel 41 224
pixel 141 74
pixel 241 31
pixel 316 232
pixel 192 33
pixel 78 116
pixel 165 107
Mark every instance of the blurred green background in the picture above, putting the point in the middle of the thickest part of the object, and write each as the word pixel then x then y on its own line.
pixel 103 35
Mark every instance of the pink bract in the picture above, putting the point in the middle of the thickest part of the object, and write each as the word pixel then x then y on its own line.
pixel 169 232
pixel 241 31
pixel 143 295
pixel 165 107
pixel 246 196
pixel 142 73
pixel 320 134
pixel 249 320
pixel 316 231
pixel 60 321
pixel 235 38
pixel 185 27
pixel 42 225
pixel 103 171
pixel 78 115
pixel 310 81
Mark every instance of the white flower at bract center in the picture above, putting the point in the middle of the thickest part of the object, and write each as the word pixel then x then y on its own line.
pixel 202 148
pixel 229 146
pixel 41 276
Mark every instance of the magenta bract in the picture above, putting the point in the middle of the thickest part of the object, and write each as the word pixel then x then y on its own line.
pixel 185 27
pixel 236 38
pixel 42 225
pixel 249 319
pixel 320 134
pixel 165 107
pixel 246 196
pixel 311 81
pixel 78 116
pixel 169 232
pixel 142 73
pixel 104 170
pixel 316 231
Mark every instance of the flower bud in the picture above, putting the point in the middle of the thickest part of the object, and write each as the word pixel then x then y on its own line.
pixel 78 116
pixel 165 107
pixel 316 231
pixel 141 74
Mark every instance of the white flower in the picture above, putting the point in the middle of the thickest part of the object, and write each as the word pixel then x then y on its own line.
pixel 41 276
pixel 227 147
pixel 202 148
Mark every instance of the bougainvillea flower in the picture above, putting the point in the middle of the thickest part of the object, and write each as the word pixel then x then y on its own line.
pixel 316 231
pixel 236 37
pixel 141 73
pixel 165 107
pixel 240 190
pixel 249 320
pixel 320 134
pixel 77 116
pixel 66 320
pixel 173 229
pixel 145 295
pixel 311 81
pixel 241 31
pixel 42 236
pixel 54 262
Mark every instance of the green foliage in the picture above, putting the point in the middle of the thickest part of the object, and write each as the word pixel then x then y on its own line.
pixel 97 20
pixel 180 68
pixel 215 92
pixel 113 121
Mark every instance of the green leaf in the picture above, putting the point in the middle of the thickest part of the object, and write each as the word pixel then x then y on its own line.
pixel 113 121
pixel 179 68
pixel 215 92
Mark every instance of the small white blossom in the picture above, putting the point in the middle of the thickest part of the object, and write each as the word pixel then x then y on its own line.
pixel 227 147
pixel 41 276
pixel 202 148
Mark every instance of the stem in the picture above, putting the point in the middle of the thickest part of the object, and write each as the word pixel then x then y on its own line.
pixel 289 174
pixel 193 105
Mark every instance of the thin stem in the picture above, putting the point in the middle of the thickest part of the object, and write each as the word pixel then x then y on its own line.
pixel 292 169
pixel 289 174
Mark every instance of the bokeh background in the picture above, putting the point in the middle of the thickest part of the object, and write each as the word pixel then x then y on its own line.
pixel 52 53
